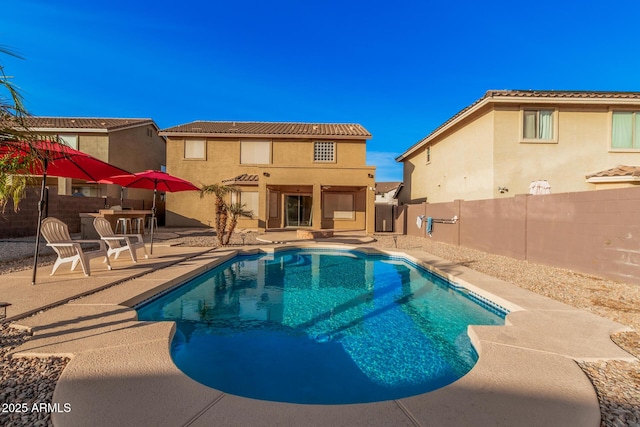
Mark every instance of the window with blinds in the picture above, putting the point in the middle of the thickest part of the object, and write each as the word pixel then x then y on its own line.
pixel 338 206
pixel 255 152
pixel 195 149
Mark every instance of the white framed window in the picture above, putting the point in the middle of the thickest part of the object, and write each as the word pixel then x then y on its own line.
pixel 70 140
pixel 625 130
pixel 539 125
pixel 255 152
pixel 195 149
pixel 324 151
pixel 247 198
pixel 338 206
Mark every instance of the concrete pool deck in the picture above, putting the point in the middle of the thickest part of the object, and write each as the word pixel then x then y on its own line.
pixel 121 371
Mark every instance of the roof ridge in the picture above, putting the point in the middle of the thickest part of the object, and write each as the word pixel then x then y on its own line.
pixel 89 118
pixel 560 91
pixel 269 122
pixel 249 128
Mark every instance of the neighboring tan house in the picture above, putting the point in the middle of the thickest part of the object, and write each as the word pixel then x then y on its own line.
pixel 387 192
pixel 519 142
pixel 386 202
pixel 297 175
pixel 131 144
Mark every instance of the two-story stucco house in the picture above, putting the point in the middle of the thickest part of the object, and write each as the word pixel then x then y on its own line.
pixel 510 141
pixel 290 175
pixel 131 144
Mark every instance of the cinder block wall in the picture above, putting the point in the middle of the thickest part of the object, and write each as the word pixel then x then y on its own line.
pixel 66 208
pixel 595 232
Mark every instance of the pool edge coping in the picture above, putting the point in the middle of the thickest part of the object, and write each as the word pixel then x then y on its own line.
pixel 421 258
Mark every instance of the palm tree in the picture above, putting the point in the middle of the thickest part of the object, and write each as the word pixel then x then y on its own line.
pixel 12 109
pixel 13 128
pixel 225 213
pixel 236 210
pixel 219 191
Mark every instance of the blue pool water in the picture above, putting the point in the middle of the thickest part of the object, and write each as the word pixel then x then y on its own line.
pixel 321 327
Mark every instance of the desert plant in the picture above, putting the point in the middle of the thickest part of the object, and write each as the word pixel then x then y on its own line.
pixel 13 128
pixel 219 191
pixel 225 214
pixel 235 211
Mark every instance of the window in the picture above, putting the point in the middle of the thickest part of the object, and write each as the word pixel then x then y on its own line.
pixel 255 152
pixel 247 198
pixel 625 130
pixel 195 149
pixel 338 206
pixel 538 124
pixel 323 151
pixel 428 152
pixel 70 140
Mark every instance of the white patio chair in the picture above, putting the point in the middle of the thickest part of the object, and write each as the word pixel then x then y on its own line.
pixel 57 235
pixel 119 242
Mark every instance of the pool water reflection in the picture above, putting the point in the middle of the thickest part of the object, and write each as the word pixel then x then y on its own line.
pixel 321 327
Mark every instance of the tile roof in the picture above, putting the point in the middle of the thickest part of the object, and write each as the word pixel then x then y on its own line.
pixel 519 95
pixel 618 171
pixel 80 123
pixel 268 129
pixel 244 179
pixel 561 94
pixel 384 187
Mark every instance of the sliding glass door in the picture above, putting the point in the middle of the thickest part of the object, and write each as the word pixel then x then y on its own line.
pixel 298 210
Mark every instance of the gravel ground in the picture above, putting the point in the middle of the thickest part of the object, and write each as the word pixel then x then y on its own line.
pixel 617 383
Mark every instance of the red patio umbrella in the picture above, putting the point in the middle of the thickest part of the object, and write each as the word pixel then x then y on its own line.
pixel 59 160
pixel 151 179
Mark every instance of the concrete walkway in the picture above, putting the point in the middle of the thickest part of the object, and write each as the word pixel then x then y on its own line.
pixel 121 372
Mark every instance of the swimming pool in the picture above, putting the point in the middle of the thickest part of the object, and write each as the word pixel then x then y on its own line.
pixel 321 327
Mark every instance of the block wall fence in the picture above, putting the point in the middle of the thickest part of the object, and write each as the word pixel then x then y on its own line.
pixel 66 208
pixel 595 232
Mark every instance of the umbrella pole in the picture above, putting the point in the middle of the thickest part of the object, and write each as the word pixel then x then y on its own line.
pixel 153 215
pixel 40 208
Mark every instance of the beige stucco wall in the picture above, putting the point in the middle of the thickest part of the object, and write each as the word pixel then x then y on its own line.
pixel 461 165
pixel 582 147
pixel 136 150
pixel 95 144
pixel 474 158
pixel 292 167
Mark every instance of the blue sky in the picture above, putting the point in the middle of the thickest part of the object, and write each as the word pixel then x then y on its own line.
pixel 398 68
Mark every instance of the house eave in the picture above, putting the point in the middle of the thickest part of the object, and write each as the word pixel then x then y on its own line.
pixel 69 130
pixel 517 100
pixel 613 179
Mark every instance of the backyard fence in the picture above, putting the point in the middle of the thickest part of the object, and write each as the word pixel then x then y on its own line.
pixel 66 208
pixel 595 232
